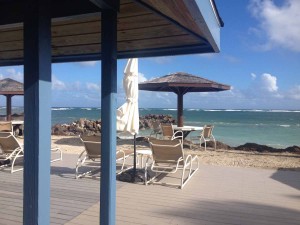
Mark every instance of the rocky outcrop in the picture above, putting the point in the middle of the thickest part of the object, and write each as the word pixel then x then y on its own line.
pixel 146 121
pixel 293 149
pixel 91 127
pixel 264 148
pixel 79 127
pixel 219 145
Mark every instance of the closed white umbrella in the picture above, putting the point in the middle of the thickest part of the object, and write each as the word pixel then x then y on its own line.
pixel 128 113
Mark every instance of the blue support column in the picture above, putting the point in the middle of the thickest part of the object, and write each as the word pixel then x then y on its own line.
pixel 37 110
pixel 108 117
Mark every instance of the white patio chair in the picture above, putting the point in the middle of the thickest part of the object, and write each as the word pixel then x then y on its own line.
pixel 207 135
pixel 169 134
pixel 12 150
pixel 167 158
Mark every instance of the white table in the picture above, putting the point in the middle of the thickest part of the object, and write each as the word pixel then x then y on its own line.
pixel 187 129
pixel 143 153
pixel 18 124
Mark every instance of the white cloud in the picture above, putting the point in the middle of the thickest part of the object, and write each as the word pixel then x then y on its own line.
pixel 262 87
pixel 87 63
pixel 264 92
pixel 92 98
pixel 141 78
pixel 280 25
pixel 13 74
pixel 92 86
pixel 253 76
pixel 268 83
pixel 58 84
pixel 76 86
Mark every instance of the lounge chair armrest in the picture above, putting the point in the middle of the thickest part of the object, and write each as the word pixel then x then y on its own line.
pixel 178 135
pixel 57 149
pixel 122 152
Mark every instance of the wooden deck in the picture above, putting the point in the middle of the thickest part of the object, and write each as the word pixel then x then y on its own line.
pixel 216 195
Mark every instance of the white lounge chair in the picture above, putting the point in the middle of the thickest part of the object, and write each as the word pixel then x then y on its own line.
pixel 11 150
pixel 91 157
pixel 167 158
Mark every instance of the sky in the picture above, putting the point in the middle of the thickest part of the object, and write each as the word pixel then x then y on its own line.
pixel 259 59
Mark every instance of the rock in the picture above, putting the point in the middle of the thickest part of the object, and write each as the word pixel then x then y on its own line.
pixel 265 148
pixel 147 120
pixel 219 145
pixel 99 127
pixel 255 147
pixel 293 149
pixel 79 130
pixel 58 130
pixel 81 122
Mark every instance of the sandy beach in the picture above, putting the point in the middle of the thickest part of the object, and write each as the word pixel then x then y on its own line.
pixel 284 161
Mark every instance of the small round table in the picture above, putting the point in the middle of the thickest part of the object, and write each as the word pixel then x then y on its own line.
pixel 144 153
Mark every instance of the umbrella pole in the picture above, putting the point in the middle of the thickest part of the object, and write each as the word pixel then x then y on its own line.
pixel 134 158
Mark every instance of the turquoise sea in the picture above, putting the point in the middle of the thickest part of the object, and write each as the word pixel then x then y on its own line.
pixel 276 128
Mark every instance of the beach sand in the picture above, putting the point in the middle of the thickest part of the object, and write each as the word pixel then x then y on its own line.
pixel 285 161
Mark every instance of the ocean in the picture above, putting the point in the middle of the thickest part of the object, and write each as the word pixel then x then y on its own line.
pixel 276 128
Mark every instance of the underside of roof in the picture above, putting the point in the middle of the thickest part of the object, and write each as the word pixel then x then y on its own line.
pixel 145 28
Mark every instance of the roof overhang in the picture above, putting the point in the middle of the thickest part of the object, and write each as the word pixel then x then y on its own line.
pixel 145 28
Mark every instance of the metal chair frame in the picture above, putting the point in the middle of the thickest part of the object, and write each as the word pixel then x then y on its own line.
pixel 178 161
pixel 207 135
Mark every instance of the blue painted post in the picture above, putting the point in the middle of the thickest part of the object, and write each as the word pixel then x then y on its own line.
pixel 37 110
pixel 108 117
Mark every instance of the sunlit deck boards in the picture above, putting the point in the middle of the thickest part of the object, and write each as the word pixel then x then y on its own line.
pixel 69 197
pixel 215 195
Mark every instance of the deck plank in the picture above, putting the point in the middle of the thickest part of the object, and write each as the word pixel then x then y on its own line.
pixel 215 195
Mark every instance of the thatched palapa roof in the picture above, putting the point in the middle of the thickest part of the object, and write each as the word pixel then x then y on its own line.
pixel 183 81
pixel 11 87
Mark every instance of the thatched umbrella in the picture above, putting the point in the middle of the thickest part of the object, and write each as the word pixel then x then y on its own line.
pixel 181 83
pixel 9 88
